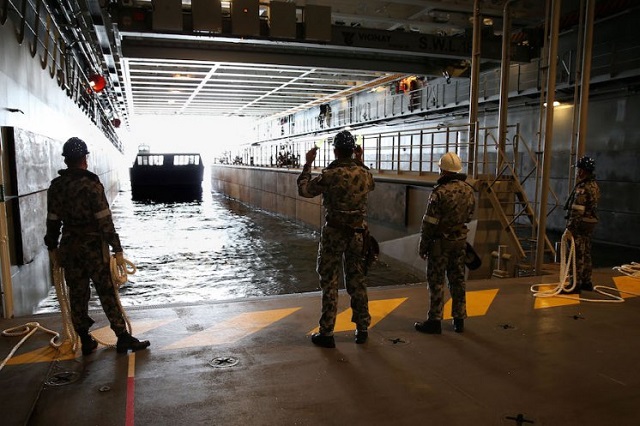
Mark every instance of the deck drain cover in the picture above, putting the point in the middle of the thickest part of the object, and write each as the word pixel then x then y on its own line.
pixel 397 341
pixel 62 378
pixel 223 362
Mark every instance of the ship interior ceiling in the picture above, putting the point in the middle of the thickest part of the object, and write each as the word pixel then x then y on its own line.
pixel 174 68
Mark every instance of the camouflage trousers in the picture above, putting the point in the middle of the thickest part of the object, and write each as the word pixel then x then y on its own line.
pixel 446 263
pixel 80 268
pixel 584 266
pixel 341 251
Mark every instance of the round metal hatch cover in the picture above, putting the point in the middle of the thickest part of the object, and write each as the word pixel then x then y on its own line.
pixel 224 362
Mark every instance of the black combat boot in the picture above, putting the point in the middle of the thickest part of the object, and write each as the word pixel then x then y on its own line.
pixel 587 286
pixel 361 336
pixel 126 342
pixel 89 344
pixel 458 325
pixel 322 340
pixel 429 327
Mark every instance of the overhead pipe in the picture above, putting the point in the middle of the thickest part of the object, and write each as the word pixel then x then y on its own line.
pixel 548 133
pixel 472 167
pixel 573 142
pixel 586 77
pixel 505 64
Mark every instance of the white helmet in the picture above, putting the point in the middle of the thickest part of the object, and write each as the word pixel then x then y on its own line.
pixel 450 162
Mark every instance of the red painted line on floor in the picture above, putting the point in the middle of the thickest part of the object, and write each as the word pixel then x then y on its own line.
pixel 131 385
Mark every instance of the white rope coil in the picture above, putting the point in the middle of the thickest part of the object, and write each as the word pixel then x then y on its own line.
pixel 567 263
pixel 119 276
pixel 565 285
pixel 631 270
pixel 120 273
pixel 28 330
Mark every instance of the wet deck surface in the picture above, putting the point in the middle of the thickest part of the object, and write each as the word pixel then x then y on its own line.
pixel 521 360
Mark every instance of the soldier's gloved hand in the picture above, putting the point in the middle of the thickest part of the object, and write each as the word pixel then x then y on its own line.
pixel 357 152
pixel 310 156
pixel 120 259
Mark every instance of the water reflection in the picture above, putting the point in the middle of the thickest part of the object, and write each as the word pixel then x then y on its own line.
pixel 216 249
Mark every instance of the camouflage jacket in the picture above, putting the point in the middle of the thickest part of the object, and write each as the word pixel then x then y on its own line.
pixel 450 207
pixel 76 202
pixel 344 185
pixel 582 204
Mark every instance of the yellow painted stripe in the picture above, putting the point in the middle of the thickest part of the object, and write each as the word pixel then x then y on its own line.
pixel 378 309
pixel 626 283
pixel 44 354
pixel 553 301
pixel 234 329
pixel 104 334
pixel 478 303
pixel 131 371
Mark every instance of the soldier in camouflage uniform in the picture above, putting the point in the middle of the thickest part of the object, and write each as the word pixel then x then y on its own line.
pixel 443 241
pixel 344 186
pixel 76 202
pixel 582 217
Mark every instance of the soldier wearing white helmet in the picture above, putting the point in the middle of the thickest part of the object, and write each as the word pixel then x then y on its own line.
pixel 443 241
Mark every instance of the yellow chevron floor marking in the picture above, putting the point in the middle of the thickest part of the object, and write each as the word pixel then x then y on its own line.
pixel 378 309
pixel 478 303
pixel 104 334
pixel 554 301
pixel 234 329
pixel 44 354
pixel 626 283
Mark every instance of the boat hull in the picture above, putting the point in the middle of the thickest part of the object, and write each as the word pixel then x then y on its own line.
pixel 167 177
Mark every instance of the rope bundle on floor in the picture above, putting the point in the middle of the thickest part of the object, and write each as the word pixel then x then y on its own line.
pixel 119 276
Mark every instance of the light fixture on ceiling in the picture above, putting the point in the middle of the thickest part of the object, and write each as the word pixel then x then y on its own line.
pixel 555 104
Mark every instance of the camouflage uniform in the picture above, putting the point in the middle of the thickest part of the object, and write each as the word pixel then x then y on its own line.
pixel 77 203
pixel 443 240
pixel 344 186
pixel 582 217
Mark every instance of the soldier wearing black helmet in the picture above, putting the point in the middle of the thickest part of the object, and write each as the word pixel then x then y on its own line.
pixel 344 186
pixel 582 217
pixel 76 202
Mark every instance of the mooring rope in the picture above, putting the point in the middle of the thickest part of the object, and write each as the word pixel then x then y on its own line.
pixel 119 276
pixel 566 284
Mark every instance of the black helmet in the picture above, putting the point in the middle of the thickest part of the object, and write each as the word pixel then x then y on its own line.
pixel 344 140
pixel 74 148
pixel 586 163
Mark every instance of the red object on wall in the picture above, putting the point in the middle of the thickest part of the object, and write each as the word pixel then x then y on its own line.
pixel 116 122
pixel 97 82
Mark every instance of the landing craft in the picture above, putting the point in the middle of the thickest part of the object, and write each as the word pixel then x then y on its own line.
pixel 166 176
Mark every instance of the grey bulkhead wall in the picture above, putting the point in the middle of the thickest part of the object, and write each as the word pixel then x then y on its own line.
pixel 46 117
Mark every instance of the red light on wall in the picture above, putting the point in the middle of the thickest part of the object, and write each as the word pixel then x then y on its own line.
pixel 97 82
pixel 116 122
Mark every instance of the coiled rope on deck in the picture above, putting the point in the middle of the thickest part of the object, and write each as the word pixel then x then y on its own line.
pixel 119 276
pixel 29 329
pixel 631 270
pixel 566 284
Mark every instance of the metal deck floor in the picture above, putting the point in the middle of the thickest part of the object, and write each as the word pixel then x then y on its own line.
pixel 521 360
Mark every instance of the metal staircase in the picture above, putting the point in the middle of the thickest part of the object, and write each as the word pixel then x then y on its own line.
pixel 510 202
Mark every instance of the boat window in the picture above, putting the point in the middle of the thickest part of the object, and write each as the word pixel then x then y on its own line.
pixel 185 160
pixel 150 160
